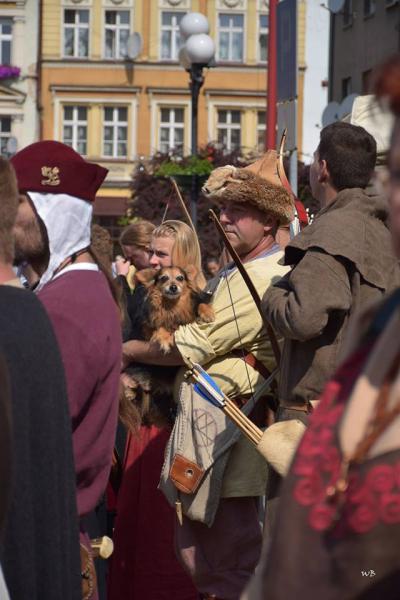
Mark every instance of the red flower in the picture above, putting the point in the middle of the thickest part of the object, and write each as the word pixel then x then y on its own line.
pixel 380 478
pixel 363 517
pixel 309 490
pixel 358 492
pixel 321 516
pixel 390 508
pixel 311 444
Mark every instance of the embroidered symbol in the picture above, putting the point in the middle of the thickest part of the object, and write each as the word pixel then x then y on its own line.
pixel 205 425
pixel 52 176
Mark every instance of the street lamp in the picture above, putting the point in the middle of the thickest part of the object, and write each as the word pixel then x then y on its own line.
pixel 195 54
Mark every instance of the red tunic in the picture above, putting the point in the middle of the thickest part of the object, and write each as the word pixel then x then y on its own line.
pixel 144 566
pixel 87 327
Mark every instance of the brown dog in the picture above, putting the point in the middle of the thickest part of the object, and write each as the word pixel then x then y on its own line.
pixel 172 299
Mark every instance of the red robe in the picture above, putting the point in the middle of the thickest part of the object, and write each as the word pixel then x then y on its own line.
pixel 144 566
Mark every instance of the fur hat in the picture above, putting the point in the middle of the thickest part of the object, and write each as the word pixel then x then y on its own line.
pixel 231 184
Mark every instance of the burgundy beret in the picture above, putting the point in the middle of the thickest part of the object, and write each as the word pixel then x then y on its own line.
pixel 54 168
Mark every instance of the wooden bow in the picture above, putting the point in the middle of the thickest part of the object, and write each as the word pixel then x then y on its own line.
pixel 250 285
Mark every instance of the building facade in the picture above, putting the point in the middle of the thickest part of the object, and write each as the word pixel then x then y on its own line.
pixel 363 34
pixel 114 110
pixel 19 35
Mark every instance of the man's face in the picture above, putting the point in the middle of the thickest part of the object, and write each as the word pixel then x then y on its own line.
pixel 244 226
pixel 315 173
pixel 29 239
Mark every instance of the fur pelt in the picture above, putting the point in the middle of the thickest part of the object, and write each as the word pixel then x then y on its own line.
pixel 231 184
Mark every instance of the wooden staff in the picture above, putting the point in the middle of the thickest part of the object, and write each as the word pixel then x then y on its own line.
pixel 182 203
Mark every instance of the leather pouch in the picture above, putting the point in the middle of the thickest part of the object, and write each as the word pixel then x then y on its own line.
pixel 88 574
pixel 185 474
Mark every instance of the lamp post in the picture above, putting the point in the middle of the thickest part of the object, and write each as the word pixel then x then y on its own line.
pixel 195 54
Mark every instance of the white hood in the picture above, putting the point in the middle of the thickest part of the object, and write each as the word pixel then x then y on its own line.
pixel 67 220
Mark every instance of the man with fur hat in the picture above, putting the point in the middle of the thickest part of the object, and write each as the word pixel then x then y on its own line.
pixel 211 473
pixel 52 232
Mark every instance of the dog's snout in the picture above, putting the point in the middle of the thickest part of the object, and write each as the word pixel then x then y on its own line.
pixel 173 288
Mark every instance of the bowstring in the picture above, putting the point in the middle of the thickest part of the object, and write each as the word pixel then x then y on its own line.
pixel 239 336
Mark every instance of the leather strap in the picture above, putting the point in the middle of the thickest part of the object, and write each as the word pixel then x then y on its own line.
pixel 253 362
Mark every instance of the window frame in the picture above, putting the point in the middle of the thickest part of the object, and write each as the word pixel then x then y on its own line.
pixel 178 47
pixel 6 37
pixel 348 14
pixel 76 26
pixel 171 128
pixel 236 127
pixel 261 128
pixel 115 125
pixel 372 11
pixel 116 28
pixel 244 38
pixel 3 149
pixel 260 31
pixel 75 123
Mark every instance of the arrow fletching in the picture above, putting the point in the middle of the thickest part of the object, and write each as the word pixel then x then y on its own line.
pixel 206 387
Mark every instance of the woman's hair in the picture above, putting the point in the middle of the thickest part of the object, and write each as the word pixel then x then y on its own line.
pixel 8 209
pixel 186 249
pixel 387 83
pixel 137 234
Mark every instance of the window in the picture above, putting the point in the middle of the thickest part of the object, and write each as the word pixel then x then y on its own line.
pixel 230 37
pixel 172 129
pixel 261 128
pixel 75 128
pixel 366 81
pixel 5 41
pixel 115 132
pixel 228 129
pixel 348 13
pixel 170 36
pixel 347 87
pixel 76 33
pixel 262 38
pixel 369 8
pixel 117 29
pixel 5 134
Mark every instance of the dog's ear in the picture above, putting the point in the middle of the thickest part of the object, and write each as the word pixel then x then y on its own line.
pixel 146 277
pixel 191 273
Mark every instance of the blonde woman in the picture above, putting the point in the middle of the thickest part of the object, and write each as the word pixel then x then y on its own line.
pixel 144 565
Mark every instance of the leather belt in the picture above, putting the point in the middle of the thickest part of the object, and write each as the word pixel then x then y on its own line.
pixel 253 362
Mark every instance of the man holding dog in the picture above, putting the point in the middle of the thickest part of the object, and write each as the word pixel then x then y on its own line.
pixel 219 537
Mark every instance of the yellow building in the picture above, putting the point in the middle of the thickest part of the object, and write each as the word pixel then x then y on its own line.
pixel 114 110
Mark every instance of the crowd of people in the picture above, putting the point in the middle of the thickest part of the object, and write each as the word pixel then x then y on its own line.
pixel 103 431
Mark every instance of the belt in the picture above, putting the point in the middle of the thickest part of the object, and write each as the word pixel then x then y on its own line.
pixel 253 362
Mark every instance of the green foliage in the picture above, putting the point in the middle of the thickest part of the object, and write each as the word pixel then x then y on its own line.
pixel 191 165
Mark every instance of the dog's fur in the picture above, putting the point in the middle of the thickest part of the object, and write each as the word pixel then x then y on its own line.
pixel 172 300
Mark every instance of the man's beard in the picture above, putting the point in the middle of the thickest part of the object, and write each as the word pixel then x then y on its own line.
pixel 29 246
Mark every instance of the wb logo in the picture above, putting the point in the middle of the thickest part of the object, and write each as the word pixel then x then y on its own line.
pixel 369 573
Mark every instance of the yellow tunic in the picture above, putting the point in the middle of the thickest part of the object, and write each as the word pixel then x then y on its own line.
pixel 210 344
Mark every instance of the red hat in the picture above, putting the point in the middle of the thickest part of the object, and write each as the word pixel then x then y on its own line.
pixel 54 168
